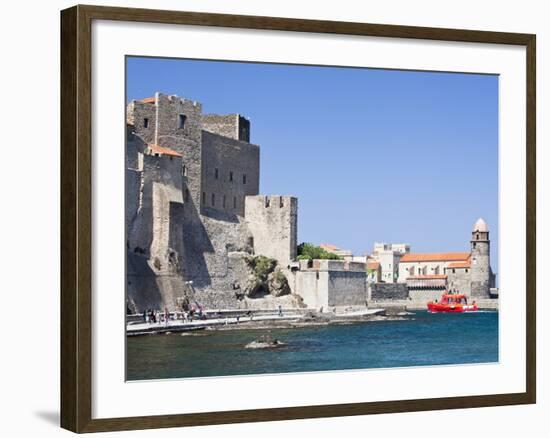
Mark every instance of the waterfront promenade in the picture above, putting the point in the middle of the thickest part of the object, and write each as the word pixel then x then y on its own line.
pixel 137 328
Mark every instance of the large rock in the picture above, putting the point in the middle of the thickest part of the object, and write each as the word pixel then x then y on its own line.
pixel 277 284
pixel 253 286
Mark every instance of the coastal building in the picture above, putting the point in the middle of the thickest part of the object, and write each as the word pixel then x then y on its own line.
pixel 422 277
pixel 429 270
pixel 374 272
pixel 400 248
pixel 428 274
pixel 389 255
pixel 346 254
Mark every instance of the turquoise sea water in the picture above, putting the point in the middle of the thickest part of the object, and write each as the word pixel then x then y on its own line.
pixel 422 339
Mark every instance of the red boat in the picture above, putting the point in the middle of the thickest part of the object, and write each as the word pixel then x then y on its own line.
pixel 452 303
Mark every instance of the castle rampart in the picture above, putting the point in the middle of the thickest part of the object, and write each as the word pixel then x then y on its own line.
pixel 272 220
pixel 326 284
pixel 232 126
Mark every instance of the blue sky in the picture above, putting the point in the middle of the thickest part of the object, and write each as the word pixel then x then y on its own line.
pixel 372 155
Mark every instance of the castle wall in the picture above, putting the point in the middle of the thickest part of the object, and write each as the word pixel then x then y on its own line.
pixel 138 114
pixel 420 298
pixel 331 283
pixel 389 291
pixel 230 171
pixel 347 288
pixel 272 221
pixel 135 147
pixel 231 126
pixel 154 235
pixel 185 139
pixel 132 196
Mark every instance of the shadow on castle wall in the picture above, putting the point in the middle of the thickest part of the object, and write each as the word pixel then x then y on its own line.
pixel 142 290
pixel 219 215
pixel 195 243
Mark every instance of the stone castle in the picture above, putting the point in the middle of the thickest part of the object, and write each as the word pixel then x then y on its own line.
pixel 193 209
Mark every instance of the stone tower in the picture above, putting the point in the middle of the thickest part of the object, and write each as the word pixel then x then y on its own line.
pixel 480 261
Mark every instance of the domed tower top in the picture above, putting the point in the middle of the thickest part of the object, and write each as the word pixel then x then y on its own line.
pixel 481 225
pixel 480 230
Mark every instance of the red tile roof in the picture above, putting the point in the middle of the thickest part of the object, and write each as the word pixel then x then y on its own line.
pixel 435 257
pixel 373 265
pixel 161 150
pixel 149 100
pixel 329 247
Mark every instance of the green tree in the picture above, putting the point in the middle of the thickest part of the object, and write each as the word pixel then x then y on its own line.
pixel 308 251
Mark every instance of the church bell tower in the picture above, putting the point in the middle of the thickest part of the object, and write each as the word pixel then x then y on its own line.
pixel 480 260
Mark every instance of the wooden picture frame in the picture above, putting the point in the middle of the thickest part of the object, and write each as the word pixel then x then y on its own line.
pixel 76 217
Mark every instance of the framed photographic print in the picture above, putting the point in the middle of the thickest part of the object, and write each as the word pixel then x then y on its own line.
pixel 271 218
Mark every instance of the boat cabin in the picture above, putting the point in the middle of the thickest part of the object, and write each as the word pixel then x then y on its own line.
pixel 454 299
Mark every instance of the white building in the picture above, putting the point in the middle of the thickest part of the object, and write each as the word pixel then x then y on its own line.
pixel 389 255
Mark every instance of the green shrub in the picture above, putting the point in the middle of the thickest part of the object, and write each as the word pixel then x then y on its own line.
pixel 308 251
pixel 262 266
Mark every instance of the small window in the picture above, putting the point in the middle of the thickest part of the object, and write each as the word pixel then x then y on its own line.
pixel 145 122
pixel 213 200
pixel 466 270
pixel 234 202
pixel 244 179
pixel 230 175
pixel 216 173
pixel 182 118
pixel 203 197
pixel 454 271
pixel 223 201
pixel 184 170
